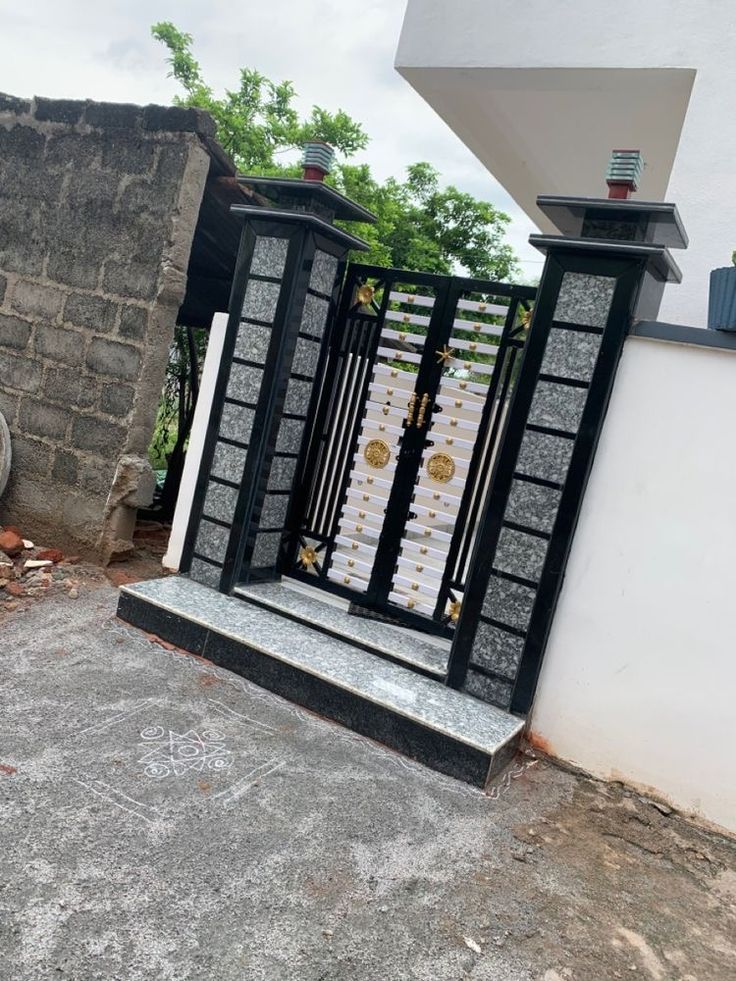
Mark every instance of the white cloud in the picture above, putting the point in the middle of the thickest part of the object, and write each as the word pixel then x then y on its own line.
pixel 338 53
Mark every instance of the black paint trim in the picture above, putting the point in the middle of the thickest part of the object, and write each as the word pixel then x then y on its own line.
pixel 653 330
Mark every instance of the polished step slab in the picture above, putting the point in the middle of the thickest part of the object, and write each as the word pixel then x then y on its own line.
pixel 394 643
pixel 421 718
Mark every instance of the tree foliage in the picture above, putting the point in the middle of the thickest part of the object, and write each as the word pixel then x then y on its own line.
pixel 420 226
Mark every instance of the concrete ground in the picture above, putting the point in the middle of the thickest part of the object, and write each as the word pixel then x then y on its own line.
pixel 162 819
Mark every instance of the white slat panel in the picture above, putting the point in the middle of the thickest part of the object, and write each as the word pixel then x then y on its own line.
pixel 441 442
pixel 425 588
pixel 477 328
pixel 433 512
pixel 478 367
pixel 412 299
pixel 479 307
pixel 391 354
pixel 352 514
pixel 452 499
pixel 468 404
pixel 372 479
pixel 462 386
pixel 396 317
pixel 453 422
pixel 403 378
pixel 363 548
pixel 343 560
pixel 425 570
pixel 411 603
pixel 416 547
pixel 350 525
pixel 337 575
pixel 403 337
pixel 476 347
pixel 421 532
pixel 359 494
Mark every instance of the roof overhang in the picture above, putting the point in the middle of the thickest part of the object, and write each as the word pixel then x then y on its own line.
pixel 551 130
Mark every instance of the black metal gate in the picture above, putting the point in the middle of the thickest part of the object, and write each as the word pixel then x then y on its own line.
pixel 417 385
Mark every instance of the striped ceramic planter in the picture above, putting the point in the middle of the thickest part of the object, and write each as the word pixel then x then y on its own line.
pixel 722 299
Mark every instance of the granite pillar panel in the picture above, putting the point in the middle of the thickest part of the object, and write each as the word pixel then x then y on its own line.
pixel 294 426
pixel 531 508
pixel 233 418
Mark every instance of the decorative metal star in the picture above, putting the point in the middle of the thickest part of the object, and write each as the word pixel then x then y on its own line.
pixel 444 355
pixel 454 610
pixel 307 556
pixel 526 319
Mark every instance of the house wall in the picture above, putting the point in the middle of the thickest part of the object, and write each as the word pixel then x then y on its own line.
pixel 639 674
pixel 98 205
pixel 542 92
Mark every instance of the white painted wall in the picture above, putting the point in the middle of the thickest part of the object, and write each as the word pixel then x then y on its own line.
pixel 639 678
pixel 196 442
pixel 541 92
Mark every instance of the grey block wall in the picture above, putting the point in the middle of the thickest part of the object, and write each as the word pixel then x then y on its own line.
pixel 98 205
pixel 554 418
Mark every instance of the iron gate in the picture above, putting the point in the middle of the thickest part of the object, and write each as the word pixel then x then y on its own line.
pixel 418 379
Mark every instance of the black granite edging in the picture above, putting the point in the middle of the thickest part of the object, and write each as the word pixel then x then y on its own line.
pixel 434 749
pixel 682 334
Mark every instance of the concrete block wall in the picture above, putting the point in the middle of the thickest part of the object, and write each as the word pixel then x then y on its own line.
pixel 98 206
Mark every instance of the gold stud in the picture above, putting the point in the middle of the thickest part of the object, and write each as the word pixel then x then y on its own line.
pixel 394 372
pixel 458 403
pixel 415 586
pixel 449 440
pixel 361 514
pixel 359 528
pixel 389 391
pixel 398 355
pixel 407 318
pixel 366 497
pixel 369 480
pixel 433 514
pixel 410 298
pixel 381 427
pixel 473 346
pixel 423 549
pixel 463 385
pixel 411 604
pixel 420 568
pixel 351 562
pixel 436 495
pixel 385 410
pixel 482 307
pixel 467 365
pixel 476 326
pixel 346 580
pixel 402 337
pixel 354 546
pixel 453 421
pixel 428 532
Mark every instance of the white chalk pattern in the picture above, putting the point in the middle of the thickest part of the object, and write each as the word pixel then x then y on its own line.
pixel 168 753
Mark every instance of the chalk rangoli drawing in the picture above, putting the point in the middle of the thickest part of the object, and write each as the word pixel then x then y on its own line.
pixel 170 753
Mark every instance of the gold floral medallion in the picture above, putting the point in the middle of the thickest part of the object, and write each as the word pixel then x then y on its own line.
pixel 364 295
pixel 308 556
pixel 377 453
pixel 441 467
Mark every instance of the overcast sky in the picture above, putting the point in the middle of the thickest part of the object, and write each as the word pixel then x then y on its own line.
pixel 338 53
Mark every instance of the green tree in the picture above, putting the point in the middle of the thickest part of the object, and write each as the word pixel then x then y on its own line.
pixel 420 225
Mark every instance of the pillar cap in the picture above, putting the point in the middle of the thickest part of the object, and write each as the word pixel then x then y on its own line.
pixel 644 221
pixel 660 261
pixel 296 189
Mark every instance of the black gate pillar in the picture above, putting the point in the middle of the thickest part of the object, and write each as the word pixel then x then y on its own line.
pixel 289 267
pixel 610 264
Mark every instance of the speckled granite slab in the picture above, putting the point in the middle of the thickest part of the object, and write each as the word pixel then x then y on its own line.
pixel 397 645
pixel 445 729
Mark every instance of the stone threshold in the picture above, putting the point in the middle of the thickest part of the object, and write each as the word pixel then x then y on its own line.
pixel 401 646
pixel 442 728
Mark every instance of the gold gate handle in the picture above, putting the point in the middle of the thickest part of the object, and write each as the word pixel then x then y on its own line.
pixel 410 412
pixel 422 410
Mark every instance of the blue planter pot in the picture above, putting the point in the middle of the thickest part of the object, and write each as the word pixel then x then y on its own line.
pixel 722 299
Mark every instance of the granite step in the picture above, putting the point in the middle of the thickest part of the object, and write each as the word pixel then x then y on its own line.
pixel 451 732
pixel 403 647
